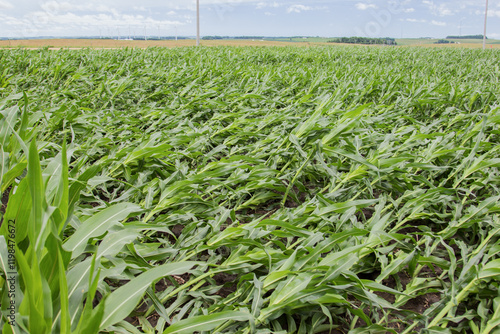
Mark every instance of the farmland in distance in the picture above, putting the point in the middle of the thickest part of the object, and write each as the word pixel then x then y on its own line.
pixel 58 43
pixel 250 190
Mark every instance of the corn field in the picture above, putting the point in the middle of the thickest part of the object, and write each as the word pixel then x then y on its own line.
pixel 250 190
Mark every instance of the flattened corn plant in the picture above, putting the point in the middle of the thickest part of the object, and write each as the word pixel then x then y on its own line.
pixel 239 190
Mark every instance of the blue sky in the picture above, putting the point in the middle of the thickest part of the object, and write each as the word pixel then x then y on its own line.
pixel 328 18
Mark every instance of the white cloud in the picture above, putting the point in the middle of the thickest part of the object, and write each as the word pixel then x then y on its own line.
pixel 493 13
pixel 443 11
pixel 12 21
pixel 269 14
pixel 416 20
pixel 438 23
pixel 365 6
pixel 274 4
pixel 40 22
pixel 408 10
pixel 5 4
pixel 298 8
pixel 55 8
pixel 438 10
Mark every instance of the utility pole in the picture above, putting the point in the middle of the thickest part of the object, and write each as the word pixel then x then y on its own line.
pixel 197 22
pixel 485 20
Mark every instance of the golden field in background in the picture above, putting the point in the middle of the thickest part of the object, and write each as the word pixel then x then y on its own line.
pixel 109 43
pixel 113 44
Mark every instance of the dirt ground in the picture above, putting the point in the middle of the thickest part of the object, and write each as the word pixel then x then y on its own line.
pixel 113 44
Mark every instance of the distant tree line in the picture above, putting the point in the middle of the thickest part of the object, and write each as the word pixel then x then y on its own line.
pixel 466 37
pixel 364 40
pixel 247 37
pixel 444 41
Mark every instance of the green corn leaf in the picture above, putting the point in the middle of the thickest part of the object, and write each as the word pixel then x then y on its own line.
pixel 206 322
pixel 122 301
pixel 4 165
pixel 80 184
pixel 491 269
pixel 395 266
pixel 147 152
pixel 18 211
pixel 37 230
pixel 494 322
pixel 287 289
pixel 34 293
pixel 77 282
pixel 4 256
pixel 478 165
pixel 7 123
pixel 65 327
pixel 304 128
pixel 13 173
pixel 98 225
pixel 61 200
pixel 114 242
pixel 258 299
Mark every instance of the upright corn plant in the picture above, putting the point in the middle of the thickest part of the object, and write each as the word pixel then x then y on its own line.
pixel 45 288
pixel 33 260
